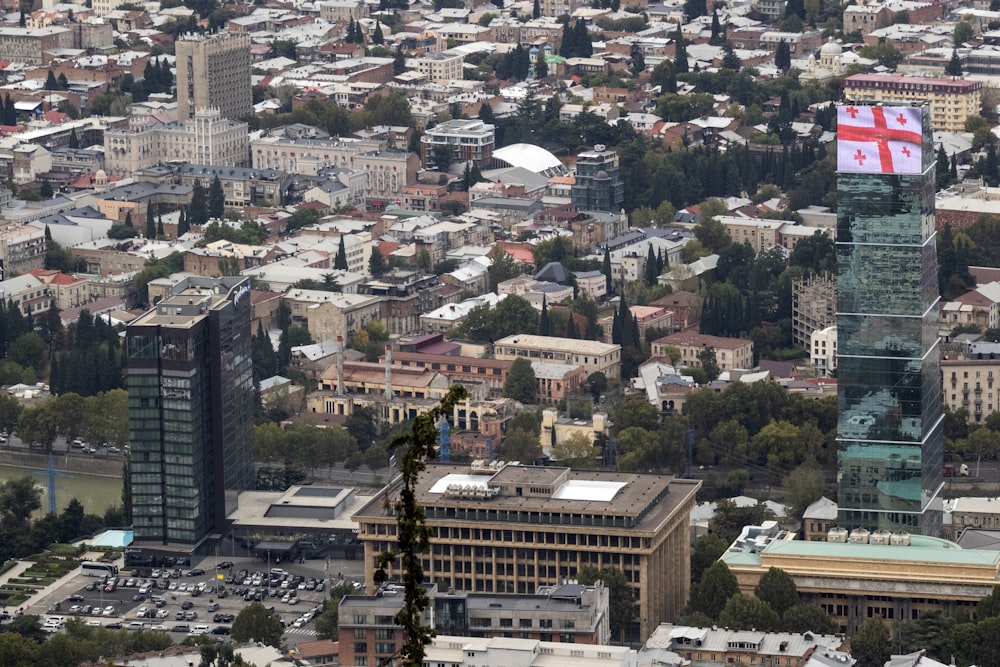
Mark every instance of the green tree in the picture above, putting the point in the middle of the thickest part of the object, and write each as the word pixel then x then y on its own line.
pixel 635 412
pixel 621 597
pixel 255 622
pixel 871 645
pixel 520 445
pixel 709 595
pixel 46 190
pixel 746 612
pixel 340 263
pixel 783 56
pixel 376 263
pixel 19 497
pixel 216 199
pixel 808 618
pixel 954 66
pixel 413 535
pixel 50 82
pixel 707 550
pixel 989 606
pixel 777 590
pixel 577 452
pixel 198 212
pixel 10 411
pixel 963 32
pixel 74 141
pixel 150 222
pixel 37 426
pixel 803 486
pixel 521 384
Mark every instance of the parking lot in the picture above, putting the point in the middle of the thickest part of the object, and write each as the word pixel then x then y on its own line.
pixel 198 600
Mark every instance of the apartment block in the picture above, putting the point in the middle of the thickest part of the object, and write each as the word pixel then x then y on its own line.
pixel 21 249
pixel 512 529
pixel 760 234
pixel 213 72
pixel 951 101
pixel 730 353
pixel 458 140
pixel 442 67
pixel 28 45
pixel 972 381
pixel 331 314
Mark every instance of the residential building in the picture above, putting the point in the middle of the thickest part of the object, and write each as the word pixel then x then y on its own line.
pixel 456 651
pixel 890 437
pixel 328 315
pixel 406 295
pixel 730 353
pixel 599 185
pixel 951 100
pixel 513 528
pixel 205 139
pixel 823 349
pixel 556 430
pixel 22 248
pixel 647 318
pixel 814 306
pixel 28 45
pixel 442 67
pixel 191 400
pixel 685 308
pixel 28 293
pixel 715 646
pixel 760 234
pixel 970 512
pixel 468 371
pixel 969 381
pixel 562 613
pixel 859 574
pixel 213 72
pixel 595 357
pixel 557 381
pixel 241 186
pixel 459 140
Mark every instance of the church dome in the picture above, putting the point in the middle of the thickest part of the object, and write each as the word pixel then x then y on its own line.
pixel 831 48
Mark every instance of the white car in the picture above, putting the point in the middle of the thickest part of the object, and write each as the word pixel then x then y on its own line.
pixel 94 623
pixel 141 612
pixel 108 611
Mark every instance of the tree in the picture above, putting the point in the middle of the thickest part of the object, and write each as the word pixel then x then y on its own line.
pixel 651 272
pixel 989 606
pixel 777 589
pixel 340 262
pixel 729 58
pixel 50 82
pixel 680 52
pixel 717 585
pixel 198 212
pixel 954 66
pixel 803 486
pixel 128 220
pixel 377 36
pixel 707 550
pixel 871 645
pixel 398 61
pixel 521 384
pixel 746 612
pixel 783 56
pixel 376 263
pixel 326 623
pixel 413 535
pixel 708 362
pixel 150 222
pixel 536 10
pixel 963 33
pixel 256 623
pixel 718 37
pixel 216 199
pixel 983 442
pixel 19 497
pixel 808 618
pixel 597 383
pixel 10 411
pixel 606 269
pixel 46 190
pixel 520 445
pixel 576 451
pixel 621 598
pixel 541 66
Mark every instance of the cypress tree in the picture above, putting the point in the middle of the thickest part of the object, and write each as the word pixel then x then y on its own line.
pixel 377 36
pixel 651 273
pixel 50 82
pixel 150 223
pixel 680 52
pixel 341 261
pixel 159 227
pixel 571 331
pixel 216 199
pixel 606 269
pixel 128 219
pixel 74 141
pixel 544 325
pixel 182 225
pixel 536 10
pixel 349 38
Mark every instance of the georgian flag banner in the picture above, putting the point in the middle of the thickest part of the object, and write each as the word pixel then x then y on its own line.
pixel 879 140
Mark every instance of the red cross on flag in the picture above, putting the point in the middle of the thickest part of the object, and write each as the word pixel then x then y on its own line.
pixel 879 140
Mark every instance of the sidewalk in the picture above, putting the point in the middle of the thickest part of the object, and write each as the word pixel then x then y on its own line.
pixel 13 573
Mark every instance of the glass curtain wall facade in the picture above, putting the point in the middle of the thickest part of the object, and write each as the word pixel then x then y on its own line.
pixel 889 431
pixel 190 410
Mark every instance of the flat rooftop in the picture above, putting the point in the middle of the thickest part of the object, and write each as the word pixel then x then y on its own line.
pixel 318 508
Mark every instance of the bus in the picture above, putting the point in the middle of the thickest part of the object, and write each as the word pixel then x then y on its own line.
pixel 91 569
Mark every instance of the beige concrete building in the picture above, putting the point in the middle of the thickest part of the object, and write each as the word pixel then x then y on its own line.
pixel 28 45
pixel 331 314
pixel 513 529
pixel 213 71
pixel 593 356
pixel 730 353
pixel 951 100
pixel 442 67
pixel 21 249
pixel 760 234
pixel 971 381
pixel 208 138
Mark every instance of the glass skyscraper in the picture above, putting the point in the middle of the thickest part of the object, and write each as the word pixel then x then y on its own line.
pixel 889 431
pixel 190 391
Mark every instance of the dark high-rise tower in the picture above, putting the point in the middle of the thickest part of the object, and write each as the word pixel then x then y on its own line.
pixel 190 391
pixel 889 431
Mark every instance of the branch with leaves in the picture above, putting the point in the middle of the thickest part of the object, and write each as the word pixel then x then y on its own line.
pixel 414 449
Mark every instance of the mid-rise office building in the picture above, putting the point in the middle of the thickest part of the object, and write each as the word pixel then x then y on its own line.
pixel 889 428
pixel 190 385
pixel 213 71
pixel 599 185
pixel 595 357
pixel 952 100
pixel 512 529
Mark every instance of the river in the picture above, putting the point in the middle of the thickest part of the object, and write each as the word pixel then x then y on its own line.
pixel 97 493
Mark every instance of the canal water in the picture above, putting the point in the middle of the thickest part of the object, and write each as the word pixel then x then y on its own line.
pixel 97 493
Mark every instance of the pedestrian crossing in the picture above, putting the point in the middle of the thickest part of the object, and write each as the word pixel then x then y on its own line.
pixel 307 632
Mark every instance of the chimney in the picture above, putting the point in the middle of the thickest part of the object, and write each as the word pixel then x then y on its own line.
pixel 388 372
pixel 340 365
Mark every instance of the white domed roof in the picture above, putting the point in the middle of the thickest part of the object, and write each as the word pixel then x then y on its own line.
pixel 531 157
pixel 831 48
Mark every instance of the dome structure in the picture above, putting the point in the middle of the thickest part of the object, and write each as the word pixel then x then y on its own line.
pixel 528 156
pixel 831 48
